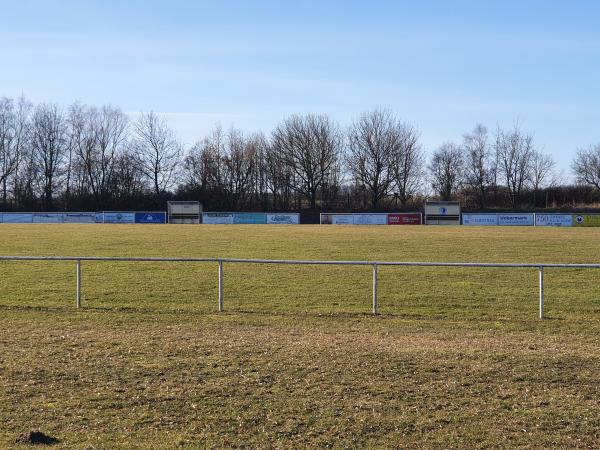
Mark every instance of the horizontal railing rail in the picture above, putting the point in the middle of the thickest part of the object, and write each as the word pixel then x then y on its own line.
pixel 373 264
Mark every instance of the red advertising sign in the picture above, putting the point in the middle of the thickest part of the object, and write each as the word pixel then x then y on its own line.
pixel 404 219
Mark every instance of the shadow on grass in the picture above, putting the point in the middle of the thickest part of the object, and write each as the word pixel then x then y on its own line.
pixel 448 318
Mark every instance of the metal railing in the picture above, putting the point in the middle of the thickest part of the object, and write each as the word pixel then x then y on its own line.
pixel 374 264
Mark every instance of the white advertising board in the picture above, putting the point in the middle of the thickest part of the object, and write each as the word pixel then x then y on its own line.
pixel 283 219
pixel 523 220
pixel 553 220
pixel 217 218
pixel 480 219
pixel 442 208
pixel 370 219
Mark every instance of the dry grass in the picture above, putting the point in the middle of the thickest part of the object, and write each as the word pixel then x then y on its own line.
pixel 457 360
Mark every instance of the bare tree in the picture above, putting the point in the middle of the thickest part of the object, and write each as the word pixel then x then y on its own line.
pixel 542 167
pixel 310 146
pixel 279 178
pixel 98 135
pixel 128 180
pixel 374 140
pixel 26 180
pixel 408 164
pixel 13 138
pixel 196 167
pixel 49 145
pixel 261 174
pixel 446 170
pixel 240 166
pixel 479 164
pixel 156 150
pixel 515 153
pixel 586 166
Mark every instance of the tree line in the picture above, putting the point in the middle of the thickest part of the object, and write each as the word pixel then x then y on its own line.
pixel 96 158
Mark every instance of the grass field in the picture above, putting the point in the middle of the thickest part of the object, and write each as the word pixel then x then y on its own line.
pixel 457 359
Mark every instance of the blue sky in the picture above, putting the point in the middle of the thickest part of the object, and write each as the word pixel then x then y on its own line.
pixel 441 65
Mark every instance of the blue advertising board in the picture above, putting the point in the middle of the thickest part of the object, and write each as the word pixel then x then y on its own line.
pixel 82 217
pixel 17 217
pixel 479 219
pixel 249 218
pixel 502 219
pixel 86 217
pixel 150 217
pixel 516 219
pixel 553 220
pixel 48 218
pixel 118 217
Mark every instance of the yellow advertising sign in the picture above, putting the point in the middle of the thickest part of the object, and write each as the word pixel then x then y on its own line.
pixel 586 220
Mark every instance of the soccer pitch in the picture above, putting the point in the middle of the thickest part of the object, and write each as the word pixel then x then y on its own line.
pixel 457 357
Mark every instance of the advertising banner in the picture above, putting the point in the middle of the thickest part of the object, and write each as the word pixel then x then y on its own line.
pixel 442 213
pixel 370 219
pixel 249 218
pixel 479 219
pixel 337 219
pixel 48 218
pixel 553 220
pixel 404 219
pixel 118 217
pixel 342 219
pixel 517 220
pixel 150 217
pixel 586 220
pixel 283 219
pixel 442 208
pixel 17 218
pixel 217 218
pixel 85 217
pixel 503 219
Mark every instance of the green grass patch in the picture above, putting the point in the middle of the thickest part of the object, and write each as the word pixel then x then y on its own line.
pixel 457 358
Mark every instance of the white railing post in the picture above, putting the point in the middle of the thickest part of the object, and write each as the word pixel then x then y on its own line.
pixel 220 286
pixel 374 288
pixel 78 293
pixel 541 292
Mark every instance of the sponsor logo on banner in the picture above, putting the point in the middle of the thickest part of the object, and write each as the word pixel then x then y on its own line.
pixel 370 219
pixel 150 217
pixel 480 219
pixel 404 219
pixel 48 218
pixel 283 219
pixel 119 217
pixel 80 217
pixel 217 218
pixel 553 220
pixel 249 218
pixel 586 220
pixel 342 219
pixel 515 219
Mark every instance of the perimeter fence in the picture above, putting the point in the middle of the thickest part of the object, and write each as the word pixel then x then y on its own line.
pixel 220 262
